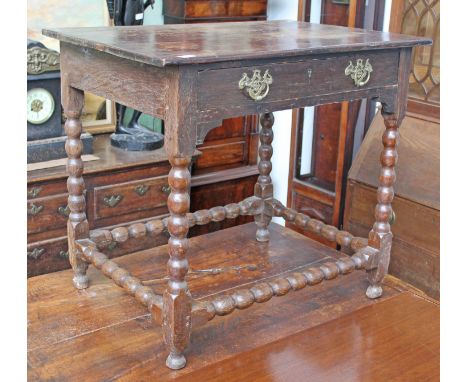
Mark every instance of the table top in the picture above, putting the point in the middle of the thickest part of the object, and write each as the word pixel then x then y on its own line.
pixel 180 44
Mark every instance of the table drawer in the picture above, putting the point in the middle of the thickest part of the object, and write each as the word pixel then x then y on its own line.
pixel 219 89
pixel 129 197
pixel 48 213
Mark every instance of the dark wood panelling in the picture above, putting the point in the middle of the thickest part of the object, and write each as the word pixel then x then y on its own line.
pixel 216 194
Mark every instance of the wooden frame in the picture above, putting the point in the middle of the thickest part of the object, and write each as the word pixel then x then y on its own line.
pixel 106 125
pixel 171 85
pixel 417 107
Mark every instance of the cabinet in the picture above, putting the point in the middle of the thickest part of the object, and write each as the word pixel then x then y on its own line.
pixel 121 188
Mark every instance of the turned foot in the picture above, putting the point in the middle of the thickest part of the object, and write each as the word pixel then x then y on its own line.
pixel 263 234
pixel 175 361
pixel 81 281
pixel 374 291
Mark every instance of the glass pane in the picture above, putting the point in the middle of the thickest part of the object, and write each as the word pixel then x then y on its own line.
pixel 422 18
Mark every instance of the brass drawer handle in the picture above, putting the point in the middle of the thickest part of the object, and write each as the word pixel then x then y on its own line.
pixel 166 189
pixel 34 210
pixel 64 210
pixel 63 254
pixel 34 192
pixel 359 73
pixel 392 219
pixel 36 253
pixel 113 200
pixel 141 189
pixel 112 246
pixel 258 86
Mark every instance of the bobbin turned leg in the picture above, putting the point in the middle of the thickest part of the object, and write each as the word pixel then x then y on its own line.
pixel 176 300
pixel 77 226
pixel 264 185
pixel 380 236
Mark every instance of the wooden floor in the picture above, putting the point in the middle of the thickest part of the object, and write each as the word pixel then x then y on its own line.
pixel 328 332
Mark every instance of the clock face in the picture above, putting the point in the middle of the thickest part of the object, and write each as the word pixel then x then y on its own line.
pixel 41 106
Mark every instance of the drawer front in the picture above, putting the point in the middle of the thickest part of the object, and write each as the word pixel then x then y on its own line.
pixel 48 213
pixel 130 197
pixel 224 8
pixel 40 190
pixel 219 89
pixel 52 255
pixel 47 256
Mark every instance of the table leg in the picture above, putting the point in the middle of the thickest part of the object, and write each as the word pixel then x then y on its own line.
pixel 77 226
pixel 381 236
pixel 264 185
pixel 176 300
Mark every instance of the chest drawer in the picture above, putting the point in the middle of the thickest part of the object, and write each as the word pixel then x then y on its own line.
pixel 242 88
pixel 130 197
pixel 48 213
pixel 41 190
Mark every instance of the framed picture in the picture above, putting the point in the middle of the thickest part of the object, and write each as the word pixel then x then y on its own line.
pixel 99 114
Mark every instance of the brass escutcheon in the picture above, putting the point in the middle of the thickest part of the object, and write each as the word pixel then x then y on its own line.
pixel 113 200
pixel 258 86
pixel 359 73
pixel 141 189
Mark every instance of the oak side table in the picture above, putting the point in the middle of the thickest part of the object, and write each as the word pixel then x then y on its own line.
pixel 193 76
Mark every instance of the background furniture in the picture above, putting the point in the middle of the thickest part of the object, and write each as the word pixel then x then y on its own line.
pixel 319 190
pixel 191 80
pixel 199 11
pixel 122 187
pixel 416 251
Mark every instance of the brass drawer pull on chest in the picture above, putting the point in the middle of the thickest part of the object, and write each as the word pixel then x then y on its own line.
pixel 258 86
pixel 34 210
pixel 36 253
pixel 360 72
pixel 63 254
pixel 166 189
pixel 141 189
pixel 113 200
pixel 34 192
pixel 392 218
pixel 64 210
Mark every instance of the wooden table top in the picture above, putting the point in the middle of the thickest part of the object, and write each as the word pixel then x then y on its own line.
pixel 330 331
pixel 162 45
